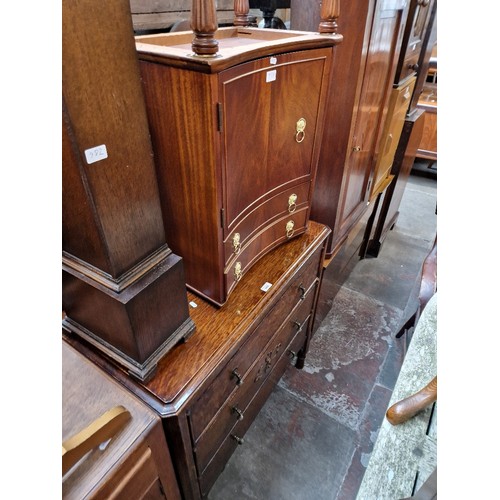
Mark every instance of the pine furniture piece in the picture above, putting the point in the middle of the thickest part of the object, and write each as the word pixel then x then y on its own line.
pixel 132 460
pixel 208 390
pixel 122 287
pixel 236 119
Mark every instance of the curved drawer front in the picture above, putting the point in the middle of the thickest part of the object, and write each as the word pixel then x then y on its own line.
pixel 283 203
pixel 233 375
pixel 235 408
pixel 275 234
pixel 217 463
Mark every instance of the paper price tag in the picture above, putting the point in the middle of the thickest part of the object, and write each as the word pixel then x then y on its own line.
pixel 266 286
pixel 96 154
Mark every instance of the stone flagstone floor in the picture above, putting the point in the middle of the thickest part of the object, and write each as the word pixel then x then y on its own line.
pixel 314 435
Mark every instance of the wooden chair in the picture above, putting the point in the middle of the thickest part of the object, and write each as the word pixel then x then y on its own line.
pixel 428 287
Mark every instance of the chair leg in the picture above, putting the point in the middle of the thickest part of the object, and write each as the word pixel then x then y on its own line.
pixel 409 324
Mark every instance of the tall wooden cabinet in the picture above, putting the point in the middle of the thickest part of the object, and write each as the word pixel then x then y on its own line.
pixel 237 138
pixel 418 41
pixel 356 110
pixel 123 288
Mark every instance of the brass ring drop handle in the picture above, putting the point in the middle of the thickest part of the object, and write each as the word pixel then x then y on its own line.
pixel 239 378
pixel 236 410
pixel 289 228
pixel 302 292
pixel 299 130
pixel 237 439
pixel 236 243
pixel 237 271
pixel 292 203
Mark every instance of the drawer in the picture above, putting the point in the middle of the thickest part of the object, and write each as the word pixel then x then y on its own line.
pixel 216 465
pixel 235 408
pixel 241 231
pixel 278 232
pixel 227 380
pixel 403 99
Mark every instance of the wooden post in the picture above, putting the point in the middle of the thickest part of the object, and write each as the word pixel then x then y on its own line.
pixel 241 9
pixel 204 26
pixel 330 11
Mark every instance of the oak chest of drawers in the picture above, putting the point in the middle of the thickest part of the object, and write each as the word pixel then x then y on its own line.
pixel 236 140
pixel 209 389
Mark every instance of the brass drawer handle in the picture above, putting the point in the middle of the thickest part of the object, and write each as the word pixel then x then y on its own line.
pixel 239 378
pixel 356 149
pixel 235 409
pixel 292 354
pixel 302 292
pixel 298 325
pixel 236 243
pixel 237 271
pixel 237 439
pixel 289 228
pixel 299 130
pixel 292 203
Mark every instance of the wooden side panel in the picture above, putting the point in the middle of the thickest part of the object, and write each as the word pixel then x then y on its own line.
pixel 182 111
pixel 105 107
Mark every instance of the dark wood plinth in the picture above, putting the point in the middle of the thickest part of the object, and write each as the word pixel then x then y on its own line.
pixel 132 325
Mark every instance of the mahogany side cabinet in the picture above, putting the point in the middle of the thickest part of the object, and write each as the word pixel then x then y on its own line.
pixel 236 139
pixel 209 390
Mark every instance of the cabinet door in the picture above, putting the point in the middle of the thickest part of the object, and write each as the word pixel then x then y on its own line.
pixel 264 105
pixel 379 73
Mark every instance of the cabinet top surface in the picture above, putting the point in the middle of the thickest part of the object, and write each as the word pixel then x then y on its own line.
pixel 236 45
pixel 218 330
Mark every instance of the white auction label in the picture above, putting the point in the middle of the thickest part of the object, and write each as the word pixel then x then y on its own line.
pixel 273 60
pixel 271 75
pixel 193 304
pixel 266 286
pixel 96 154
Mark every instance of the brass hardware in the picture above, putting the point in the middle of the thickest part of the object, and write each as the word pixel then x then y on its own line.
pixel 292 203
pixel 292 354
pixel 356 148
pixel 236 243
pixel 302 292
pixel 237 271
pixel 239 378
pixel 299 130
pixel 298 325
pixel 289 228
pixel 237 439
pixel 235 409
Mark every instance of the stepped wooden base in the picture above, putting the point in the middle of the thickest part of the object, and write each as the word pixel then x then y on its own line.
pixel 136 326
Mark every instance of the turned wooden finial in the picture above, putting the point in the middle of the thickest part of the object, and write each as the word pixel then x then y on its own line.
pixel 241 9
pixel 204 26
pixel 330 11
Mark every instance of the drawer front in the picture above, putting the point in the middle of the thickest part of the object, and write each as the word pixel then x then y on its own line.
pixel 286 202
pixel 275 234
pixel 235 371
pixel 216 465
pixel 235 408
